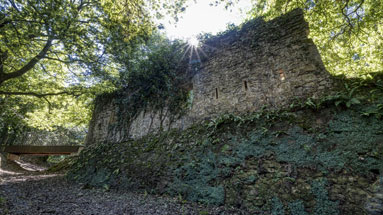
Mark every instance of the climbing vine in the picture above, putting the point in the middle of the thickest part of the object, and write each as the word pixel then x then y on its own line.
pixel 154 79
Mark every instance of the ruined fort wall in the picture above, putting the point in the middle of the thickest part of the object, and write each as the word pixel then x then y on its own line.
pixel 262 64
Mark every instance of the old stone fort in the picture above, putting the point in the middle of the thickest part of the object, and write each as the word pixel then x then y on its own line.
pixel 264 64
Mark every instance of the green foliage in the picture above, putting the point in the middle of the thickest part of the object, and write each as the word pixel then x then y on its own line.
pixel 350 129
pixel 56 136
pixel 87 170
pixel 2 201
pixel 348 34
pixel 131 165
pixel 3 205
pixel 296 146
pixel 195 180
pixel 45 51
pixel 345 132
pixel 297 208
pixel 56 55
pixel 228 159
pixel 277 207
pixel 61 163
pixel 153 80
pixel 224 118
pixel 346 98
pixel 26 117
pixel 209 195
pixel 323 206
pixel 376 111
pixel 12 117
pixel 40 37
pixel 350 93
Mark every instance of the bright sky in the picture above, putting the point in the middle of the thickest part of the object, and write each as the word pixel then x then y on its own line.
pixel 201 17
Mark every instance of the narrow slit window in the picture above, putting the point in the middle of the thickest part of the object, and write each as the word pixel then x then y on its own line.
pixel 282 75
pixel 216 93
pixel 245 85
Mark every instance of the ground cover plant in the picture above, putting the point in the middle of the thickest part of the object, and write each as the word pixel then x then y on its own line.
pixel 319 156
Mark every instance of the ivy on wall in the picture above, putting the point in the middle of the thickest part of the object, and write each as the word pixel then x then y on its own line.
pixel 154 79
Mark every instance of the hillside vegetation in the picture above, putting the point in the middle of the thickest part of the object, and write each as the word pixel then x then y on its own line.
pixel 319 156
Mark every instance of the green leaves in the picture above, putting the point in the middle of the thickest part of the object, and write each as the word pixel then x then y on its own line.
pixel 153 77
pixel 348 34
pixel 56 55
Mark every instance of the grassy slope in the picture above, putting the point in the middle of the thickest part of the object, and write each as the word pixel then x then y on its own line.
pixel 318 157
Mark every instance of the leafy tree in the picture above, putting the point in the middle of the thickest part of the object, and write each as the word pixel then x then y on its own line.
pixel 55 55
pixel 11 117
pixel 155 77
pixel 61 43
pixel 348 33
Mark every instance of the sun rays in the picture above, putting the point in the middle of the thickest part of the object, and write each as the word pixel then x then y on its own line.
pixel 193 49
pixel 193 41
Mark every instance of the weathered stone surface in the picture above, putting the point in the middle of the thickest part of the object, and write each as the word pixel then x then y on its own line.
pixel 262 64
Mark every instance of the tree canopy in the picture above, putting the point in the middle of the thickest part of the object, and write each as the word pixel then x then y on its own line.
pixel 348 33
pixel 55 55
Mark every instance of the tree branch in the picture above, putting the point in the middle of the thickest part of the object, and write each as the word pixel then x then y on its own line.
pixel 57 59
pixel 29 65
pixel 3 57
pixel 4 23
pixel 14 5
pixel 40 95
pixel 345 15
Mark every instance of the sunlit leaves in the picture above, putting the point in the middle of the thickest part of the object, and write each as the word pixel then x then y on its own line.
pixel 68 114
pixel 348 34
pixel 87 40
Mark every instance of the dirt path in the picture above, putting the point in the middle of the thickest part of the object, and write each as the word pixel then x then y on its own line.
pixel 32 193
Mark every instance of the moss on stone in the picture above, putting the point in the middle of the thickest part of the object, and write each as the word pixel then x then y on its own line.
pixel 277 207
pixel 323 206
pixel 297 208
pixel 256 162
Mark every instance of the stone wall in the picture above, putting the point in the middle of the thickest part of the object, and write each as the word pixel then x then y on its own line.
pixel 261 64
pixel 107 126
pixel 264 64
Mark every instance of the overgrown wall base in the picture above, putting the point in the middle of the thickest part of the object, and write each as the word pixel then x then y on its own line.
pixel 301 162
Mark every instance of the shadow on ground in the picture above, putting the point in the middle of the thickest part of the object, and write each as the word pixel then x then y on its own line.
pixel 35 192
